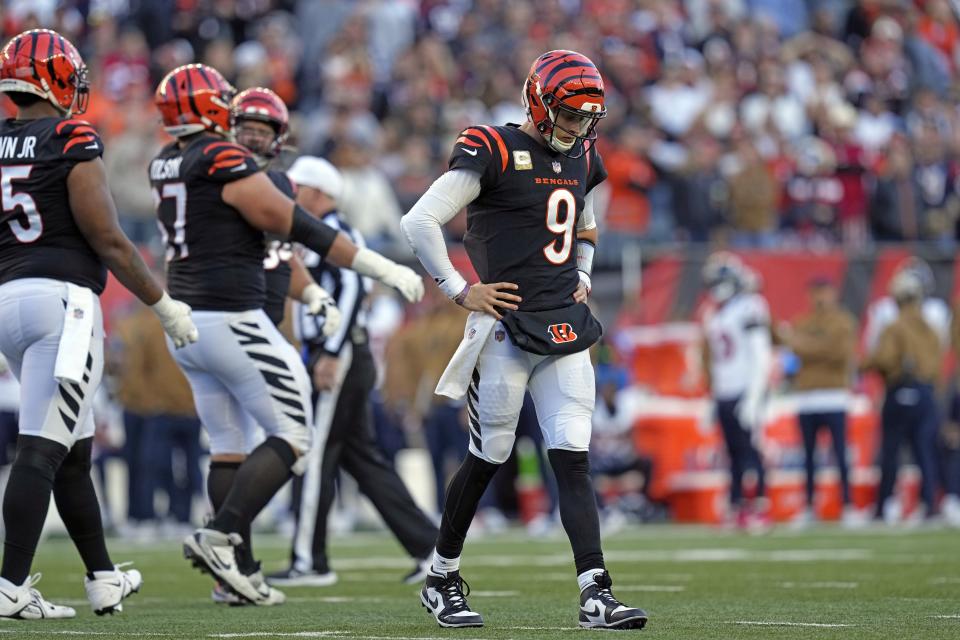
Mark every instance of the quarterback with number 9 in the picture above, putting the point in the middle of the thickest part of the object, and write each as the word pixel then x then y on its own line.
pixel 530 236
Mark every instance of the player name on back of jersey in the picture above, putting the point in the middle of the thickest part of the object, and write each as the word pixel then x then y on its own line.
pixel 15 147
pixel 161 169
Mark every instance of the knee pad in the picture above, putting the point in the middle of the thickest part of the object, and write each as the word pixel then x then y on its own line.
pixel 496 443
pixel 39 456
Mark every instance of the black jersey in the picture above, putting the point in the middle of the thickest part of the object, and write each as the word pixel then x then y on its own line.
pixel 38 235
pixel 214 256
pixel 522 228
pixel 276 264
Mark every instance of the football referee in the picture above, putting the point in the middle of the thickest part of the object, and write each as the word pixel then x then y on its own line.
pixel 344 374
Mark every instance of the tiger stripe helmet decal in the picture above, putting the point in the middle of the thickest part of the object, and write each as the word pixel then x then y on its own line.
pixel 565 82
pixel 44 63
pixel 194 98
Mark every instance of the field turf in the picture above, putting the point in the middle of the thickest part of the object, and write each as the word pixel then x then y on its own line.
pixel 694 582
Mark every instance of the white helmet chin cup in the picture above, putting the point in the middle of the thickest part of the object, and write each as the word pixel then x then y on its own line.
pixel 559 145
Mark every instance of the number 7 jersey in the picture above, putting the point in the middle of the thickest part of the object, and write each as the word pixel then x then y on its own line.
pixel 39 237
pixel 522 226
pixel 214 256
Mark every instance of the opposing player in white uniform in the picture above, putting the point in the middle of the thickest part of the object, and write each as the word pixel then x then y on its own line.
pixel 738 348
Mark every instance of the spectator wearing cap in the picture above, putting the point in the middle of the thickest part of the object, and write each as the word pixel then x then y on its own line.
pixel 908 357
pixel 823 340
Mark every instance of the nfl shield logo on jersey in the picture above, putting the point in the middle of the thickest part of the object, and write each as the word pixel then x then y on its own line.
pixel 499 335
pixel 556 167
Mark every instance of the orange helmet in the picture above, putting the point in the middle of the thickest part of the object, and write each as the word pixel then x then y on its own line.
pixel 568 83
pixel 263 105
pixel 44 63
pixel 194 98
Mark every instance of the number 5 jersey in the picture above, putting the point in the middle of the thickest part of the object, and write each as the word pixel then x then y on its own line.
pixel 38 235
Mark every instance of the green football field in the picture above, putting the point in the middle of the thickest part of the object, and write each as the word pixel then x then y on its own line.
pixel 694 582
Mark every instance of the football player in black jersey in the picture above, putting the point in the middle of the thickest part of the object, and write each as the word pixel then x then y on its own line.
pixel 58 236
pixel 215 204
pixel 531 237
pixel 259 122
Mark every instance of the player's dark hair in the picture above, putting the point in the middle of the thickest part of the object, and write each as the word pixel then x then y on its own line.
pixel 22 99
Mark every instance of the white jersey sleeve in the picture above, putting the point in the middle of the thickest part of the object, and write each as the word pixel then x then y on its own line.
pixel 445 198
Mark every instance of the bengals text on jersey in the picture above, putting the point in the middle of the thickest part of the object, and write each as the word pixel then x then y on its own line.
pixel 522 226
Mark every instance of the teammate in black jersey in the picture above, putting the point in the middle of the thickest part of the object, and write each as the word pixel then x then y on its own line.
pixel 260 121
pixel 215 204
pixel 531 237
pixel 58 236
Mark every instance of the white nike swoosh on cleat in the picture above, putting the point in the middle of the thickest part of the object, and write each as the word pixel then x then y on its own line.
pixel 472 152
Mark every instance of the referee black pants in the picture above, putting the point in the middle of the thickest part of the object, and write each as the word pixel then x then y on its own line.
pixel 351 445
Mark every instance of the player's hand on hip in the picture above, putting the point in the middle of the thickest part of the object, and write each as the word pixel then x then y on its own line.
pixel 406 281
pixel 492 298
pixel 175 318
pixel 319 303
pixel 583 289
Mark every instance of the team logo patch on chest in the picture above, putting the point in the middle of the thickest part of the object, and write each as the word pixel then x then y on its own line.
pixel 561 333
pixel 556 167
pixel 522 160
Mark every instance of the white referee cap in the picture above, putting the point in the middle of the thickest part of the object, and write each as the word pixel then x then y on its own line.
pixel 317 173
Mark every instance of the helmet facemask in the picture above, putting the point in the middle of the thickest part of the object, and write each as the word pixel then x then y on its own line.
pixel 576 124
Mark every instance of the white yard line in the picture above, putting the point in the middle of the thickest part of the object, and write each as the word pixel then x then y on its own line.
pixel 667 588
pixel 819 585
pixel 781 623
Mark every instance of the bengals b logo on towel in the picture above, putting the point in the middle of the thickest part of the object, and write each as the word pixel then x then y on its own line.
pixel 561 333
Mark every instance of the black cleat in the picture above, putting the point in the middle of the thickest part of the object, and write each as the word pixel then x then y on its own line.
pixel 444 598
pixel 600 610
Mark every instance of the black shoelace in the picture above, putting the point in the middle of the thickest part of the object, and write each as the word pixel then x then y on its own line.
pixel 455 591
pixel 603 590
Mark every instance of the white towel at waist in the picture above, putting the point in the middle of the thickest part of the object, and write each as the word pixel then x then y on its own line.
pixel 456 377
pixel 75 338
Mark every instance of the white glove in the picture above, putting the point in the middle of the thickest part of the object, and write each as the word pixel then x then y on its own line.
pixel 403 279
pixel 175 318
pixel 319 302
pixel 749 411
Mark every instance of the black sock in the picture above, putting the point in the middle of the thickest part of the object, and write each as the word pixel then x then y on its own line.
pixel 219 482
pixel 78 506
pixel 463 496
pixel 258 479
pixel 25 502
pixel 578 507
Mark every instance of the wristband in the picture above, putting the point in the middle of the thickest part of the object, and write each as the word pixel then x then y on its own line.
pixel 585 251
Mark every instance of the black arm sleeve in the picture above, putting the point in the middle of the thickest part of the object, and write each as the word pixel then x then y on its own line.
pixel 311 233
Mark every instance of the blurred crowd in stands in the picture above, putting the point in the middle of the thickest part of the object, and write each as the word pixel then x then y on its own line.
pixel 751 123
